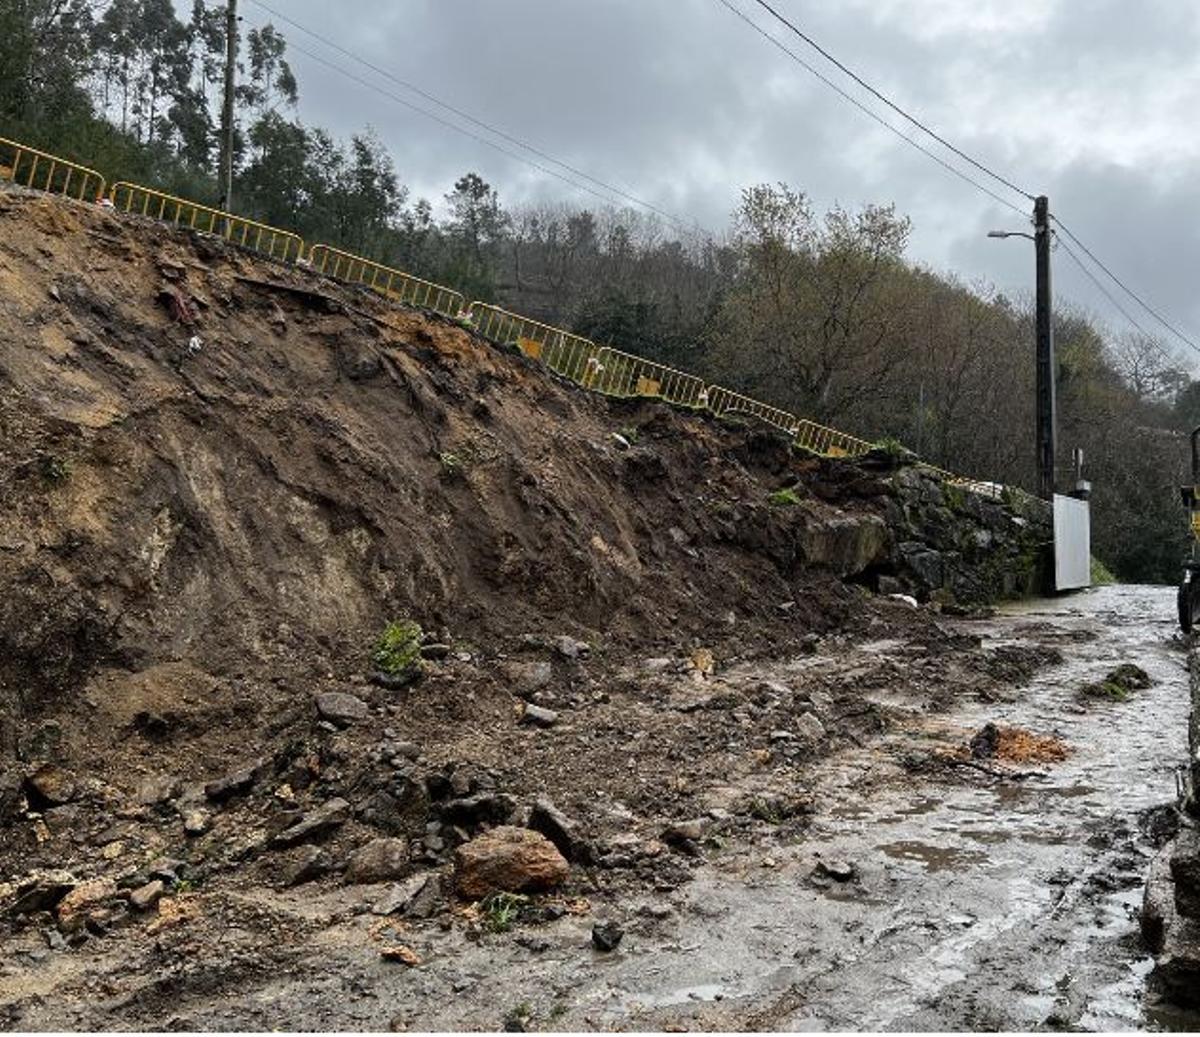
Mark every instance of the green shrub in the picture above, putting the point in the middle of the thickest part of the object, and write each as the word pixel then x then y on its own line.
pixel 785 498
pixel 1101 575
pixel 398 650
pixel 501 910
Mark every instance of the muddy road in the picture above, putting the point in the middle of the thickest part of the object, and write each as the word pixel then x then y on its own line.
pixel 920 895
pixel 976 904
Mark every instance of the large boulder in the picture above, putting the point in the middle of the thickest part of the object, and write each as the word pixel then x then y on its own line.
pixel 845 543
pixel 508 859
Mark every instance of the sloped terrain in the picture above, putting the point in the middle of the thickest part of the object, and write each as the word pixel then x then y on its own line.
pixel 223 479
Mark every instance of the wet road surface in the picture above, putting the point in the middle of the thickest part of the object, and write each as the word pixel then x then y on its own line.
pixel 1006 904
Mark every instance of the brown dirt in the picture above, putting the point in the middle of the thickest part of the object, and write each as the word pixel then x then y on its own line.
pixel 196 543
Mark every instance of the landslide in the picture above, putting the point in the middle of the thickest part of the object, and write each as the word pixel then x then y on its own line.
pixel 317 463
pixel 222 479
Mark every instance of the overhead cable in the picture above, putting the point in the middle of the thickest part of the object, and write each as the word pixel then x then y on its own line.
pixel 889 102
pixel 869 111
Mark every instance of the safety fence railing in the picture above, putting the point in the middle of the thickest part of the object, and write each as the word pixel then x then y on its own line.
pixel 603 369
pixel 725 401
pixel 238 230
pixel 623 374
pixel 41 171
pixel 395 284
pixel 567 354
pixel 829 441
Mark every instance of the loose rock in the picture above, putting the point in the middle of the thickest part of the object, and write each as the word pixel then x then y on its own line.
pixel 401 896
pixel 342 709
pixel 158 788
pixel 86 902
pixel 546 818
pixel 810 728
pixel 49 786
pixel 508 859
pixel 381 860
pixel 235 783
pixel 539 716
pixel 607 935
pixel 196 822
pixel 569 648
pixel 310 862
pixel 145 897
pixel 315 824
pixel 838 870
pixel 41 891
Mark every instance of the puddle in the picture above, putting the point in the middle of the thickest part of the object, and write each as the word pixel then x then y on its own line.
pixel 934 858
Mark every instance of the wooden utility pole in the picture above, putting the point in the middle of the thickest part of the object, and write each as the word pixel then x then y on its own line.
pixel 231 42
pixel 1047 414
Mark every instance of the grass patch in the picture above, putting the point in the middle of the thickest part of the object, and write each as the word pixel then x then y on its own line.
pixel 785 498
pixel 891 446
pixel 501 911
pixel 1117 686
pixel 398 650
pixel 1101 575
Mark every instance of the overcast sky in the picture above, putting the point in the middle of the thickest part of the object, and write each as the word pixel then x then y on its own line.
pixel 1093 102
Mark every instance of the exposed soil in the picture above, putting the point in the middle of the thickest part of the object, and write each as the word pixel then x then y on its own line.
pixel 223 479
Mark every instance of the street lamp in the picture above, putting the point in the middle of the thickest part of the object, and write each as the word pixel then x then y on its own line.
pixel 1046 409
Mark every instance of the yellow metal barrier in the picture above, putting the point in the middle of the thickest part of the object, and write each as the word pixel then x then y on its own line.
pixel 725 401
pixel 623 374
pixel 270 241
pixel 571 356
pixel 829 441
pixel 395 284
pixel 42 171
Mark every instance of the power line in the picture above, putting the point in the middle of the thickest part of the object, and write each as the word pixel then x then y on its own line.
pixel 890 103
pixel 1126 289
pixel 1112 299
pixel 516 141
pixel 870 112
pixel 447 123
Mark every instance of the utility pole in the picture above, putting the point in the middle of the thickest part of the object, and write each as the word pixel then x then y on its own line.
pixel 1047 413
pixel 231 42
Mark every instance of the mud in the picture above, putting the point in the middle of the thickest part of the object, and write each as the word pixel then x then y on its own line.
pixel 963 898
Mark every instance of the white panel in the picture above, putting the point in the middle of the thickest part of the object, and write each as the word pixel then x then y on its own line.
pixel 1072 543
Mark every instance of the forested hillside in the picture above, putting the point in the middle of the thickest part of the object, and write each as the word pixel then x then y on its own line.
pixel 819 313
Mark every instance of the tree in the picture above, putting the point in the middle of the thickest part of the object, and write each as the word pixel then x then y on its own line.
pixel 476 228
pixel 44 57
pixel 808 316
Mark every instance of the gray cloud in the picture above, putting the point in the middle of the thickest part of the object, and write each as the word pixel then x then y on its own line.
pixel 678 102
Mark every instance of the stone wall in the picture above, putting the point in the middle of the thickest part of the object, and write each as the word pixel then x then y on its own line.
pixel 952 545
pixel 1171 907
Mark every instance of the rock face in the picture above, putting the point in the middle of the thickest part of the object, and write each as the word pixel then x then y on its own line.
pixel 381 860
pixel 509 859
pixel 1171 904
pixel 949 541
